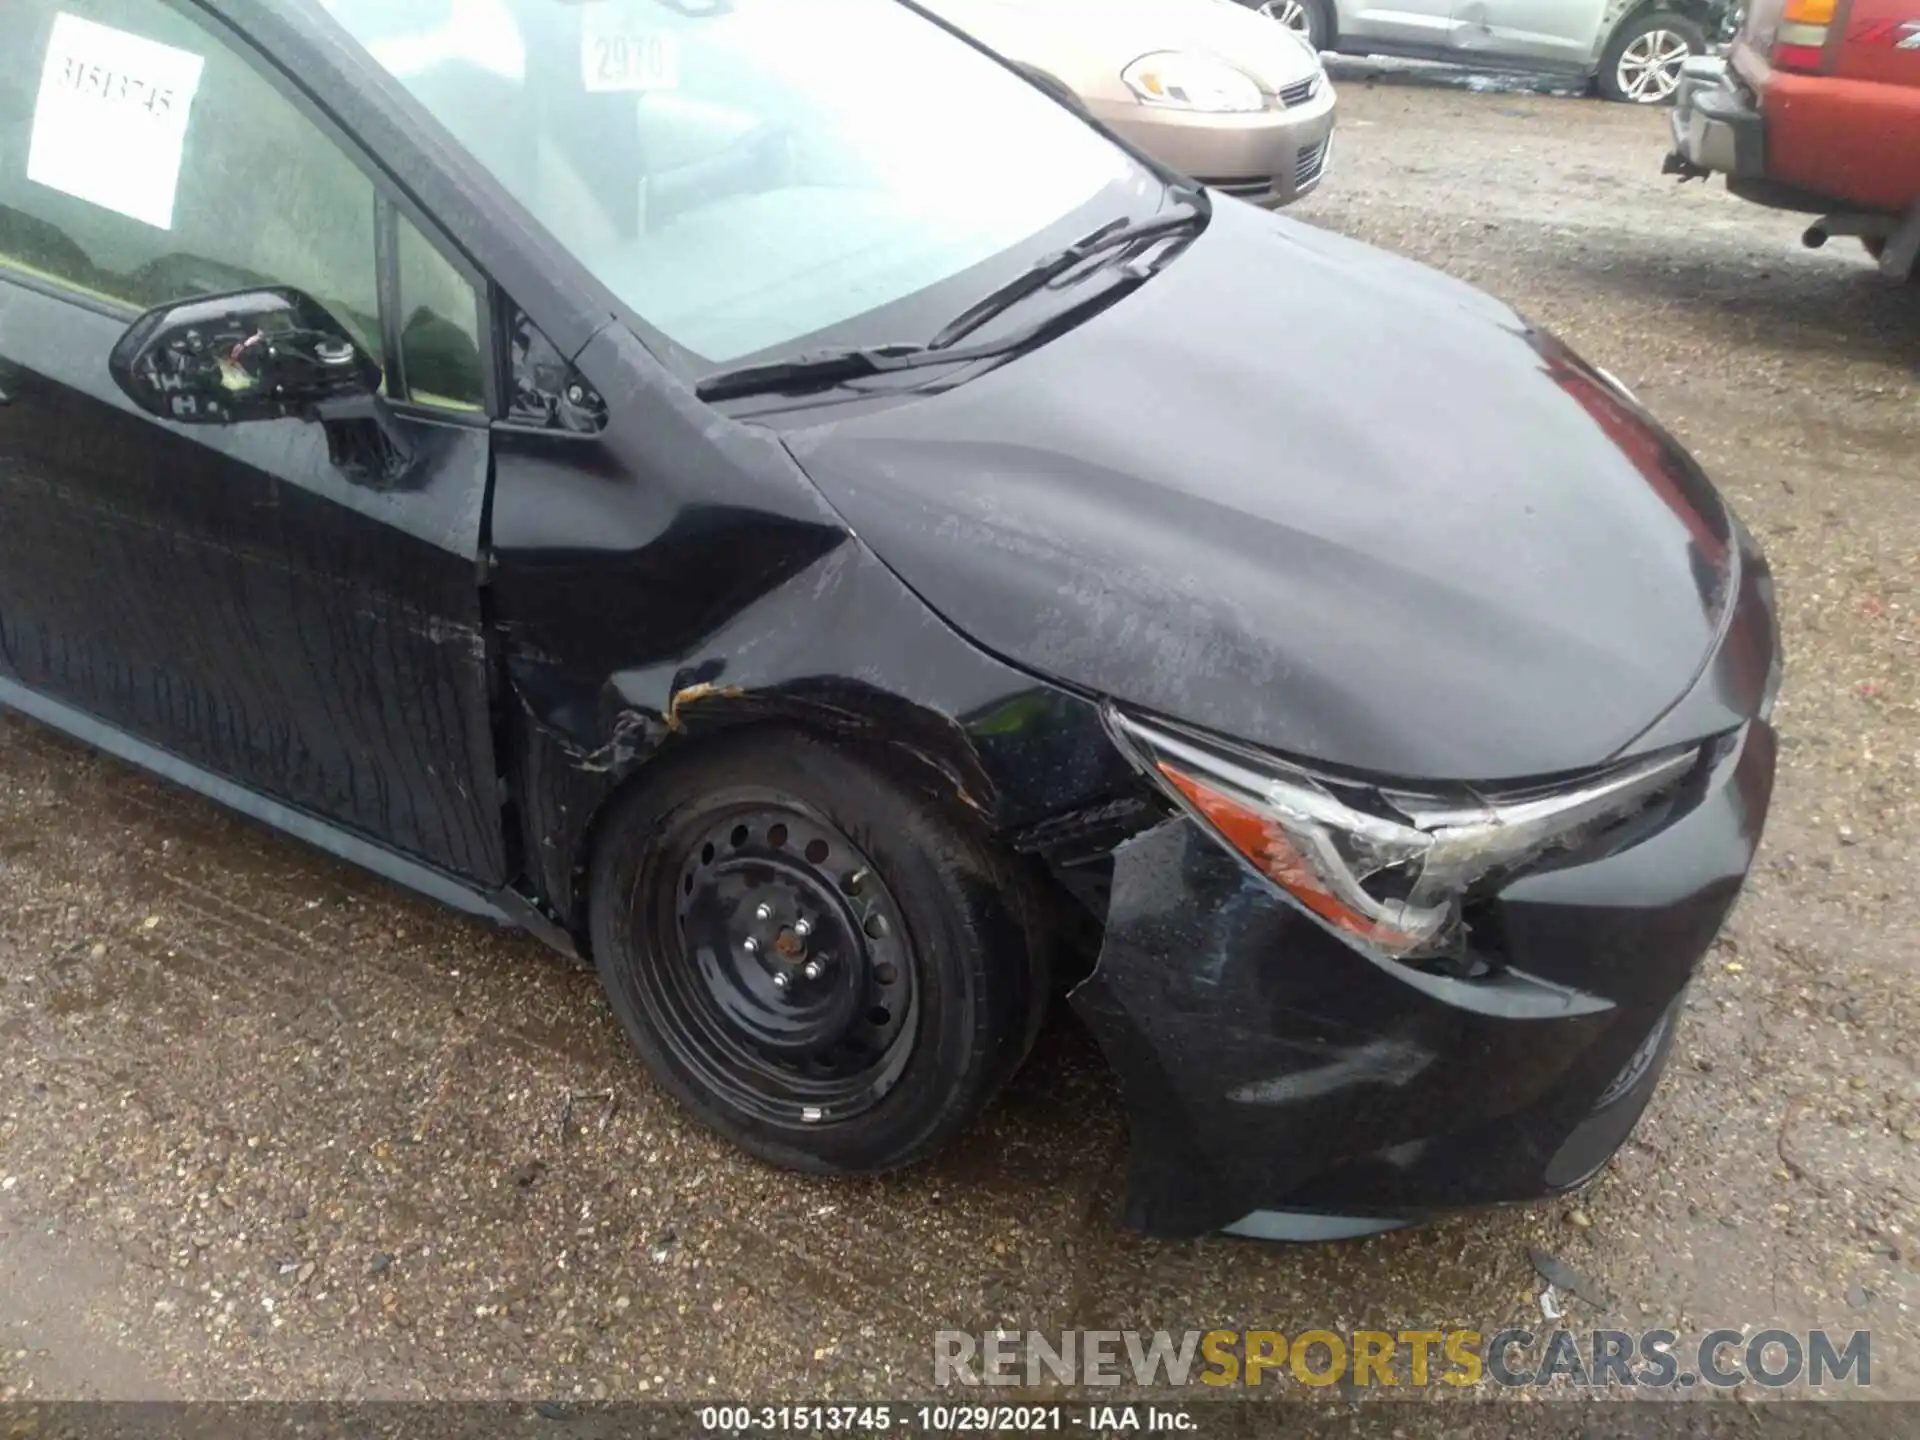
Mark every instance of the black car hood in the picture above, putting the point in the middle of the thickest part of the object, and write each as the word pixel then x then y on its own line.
pixel 1302 492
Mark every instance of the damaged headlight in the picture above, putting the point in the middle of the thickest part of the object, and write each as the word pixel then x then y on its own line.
pixel 1386 869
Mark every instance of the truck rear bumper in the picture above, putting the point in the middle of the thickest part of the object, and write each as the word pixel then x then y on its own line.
pixel 1857 140
pixel 1716 128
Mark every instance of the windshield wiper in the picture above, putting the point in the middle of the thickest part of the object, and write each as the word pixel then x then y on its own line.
pixel 818 368
pixel 812 368
pixel 1114 235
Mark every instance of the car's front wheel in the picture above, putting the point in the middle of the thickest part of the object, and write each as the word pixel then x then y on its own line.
pixel 1642 63
pixel 1311 18
pixel 828 969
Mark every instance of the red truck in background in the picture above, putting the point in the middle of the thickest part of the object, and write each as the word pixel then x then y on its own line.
pixel 1815 108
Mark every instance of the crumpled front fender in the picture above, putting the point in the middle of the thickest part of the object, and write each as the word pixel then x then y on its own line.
pixel 1266 1066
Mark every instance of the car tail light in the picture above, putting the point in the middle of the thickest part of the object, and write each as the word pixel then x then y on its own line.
pixel 1801 41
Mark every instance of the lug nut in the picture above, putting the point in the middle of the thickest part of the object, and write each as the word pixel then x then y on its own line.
pixel 802 928
pixel 780 980
pixel 763 911
pixel 750 945
pixel 813 970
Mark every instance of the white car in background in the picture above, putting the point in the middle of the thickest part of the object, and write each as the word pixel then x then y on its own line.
pixel 1207 87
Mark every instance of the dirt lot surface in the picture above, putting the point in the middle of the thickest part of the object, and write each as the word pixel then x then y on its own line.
pixel 271 1128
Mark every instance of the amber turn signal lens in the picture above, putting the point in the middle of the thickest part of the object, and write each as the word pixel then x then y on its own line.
pixel 1264 843
pixel 1810 12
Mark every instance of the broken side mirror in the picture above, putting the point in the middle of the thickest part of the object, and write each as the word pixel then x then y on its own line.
pixel 231 359
pixel 267 354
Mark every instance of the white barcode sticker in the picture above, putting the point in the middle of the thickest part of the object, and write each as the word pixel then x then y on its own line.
pixel 110 125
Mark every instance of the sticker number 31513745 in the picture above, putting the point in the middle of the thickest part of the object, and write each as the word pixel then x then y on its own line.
pixel 614 60
pixel 110 122
pixel 117 87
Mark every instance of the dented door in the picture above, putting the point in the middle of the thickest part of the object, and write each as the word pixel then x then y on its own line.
pixel 232 597
pixel 1554 32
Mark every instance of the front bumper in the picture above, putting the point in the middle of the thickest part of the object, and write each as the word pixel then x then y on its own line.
pixel 1271 158
pixel 1279 1084
pixel 1716 128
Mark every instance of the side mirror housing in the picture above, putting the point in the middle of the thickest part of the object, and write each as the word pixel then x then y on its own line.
pixel 229 359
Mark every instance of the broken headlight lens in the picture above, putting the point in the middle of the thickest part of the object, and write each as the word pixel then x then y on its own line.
pixel 1386 869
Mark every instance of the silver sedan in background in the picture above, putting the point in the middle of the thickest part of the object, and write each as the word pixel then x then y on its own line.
pixel 1207 87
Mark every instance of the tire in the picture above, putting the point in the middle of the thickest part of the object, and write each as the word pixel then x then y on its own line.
pixel 1311 18
pixel 930 990
pixel 1648 48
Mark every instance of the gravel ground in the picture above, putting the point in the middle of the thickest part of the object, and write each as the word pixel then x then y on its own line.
pixel 271 1128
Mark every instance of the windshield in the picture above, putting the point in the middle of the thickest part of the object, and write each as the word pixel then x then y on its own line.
pixel 745 173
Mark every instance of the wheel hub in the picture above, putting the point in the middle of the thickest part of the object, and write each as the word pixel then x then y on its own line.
pixel 1649 70
pixel 1290 13
pixel 778 950
pixel 795 985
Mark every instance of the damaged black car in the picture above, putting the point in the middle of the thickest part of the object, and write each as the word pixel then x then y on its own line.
pixel 643 471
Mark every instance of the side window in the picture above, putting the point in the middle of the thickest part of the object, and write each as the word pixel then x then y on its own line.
pixel 440 354
pixel 144 161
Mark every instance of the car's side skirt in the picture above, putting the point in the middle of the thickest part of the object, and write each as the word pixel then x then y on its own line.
pixel 1360 48
pixel 391 865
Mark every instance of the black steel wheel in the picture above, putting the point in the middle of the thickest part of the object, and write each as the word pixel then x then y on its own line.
pixel 796 993
pixel 831 972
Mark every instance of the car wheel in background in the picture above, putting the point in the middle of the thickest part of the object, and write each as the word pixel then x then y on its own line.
pixel 1642 62
pixel 1311 18
pixel 833 972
